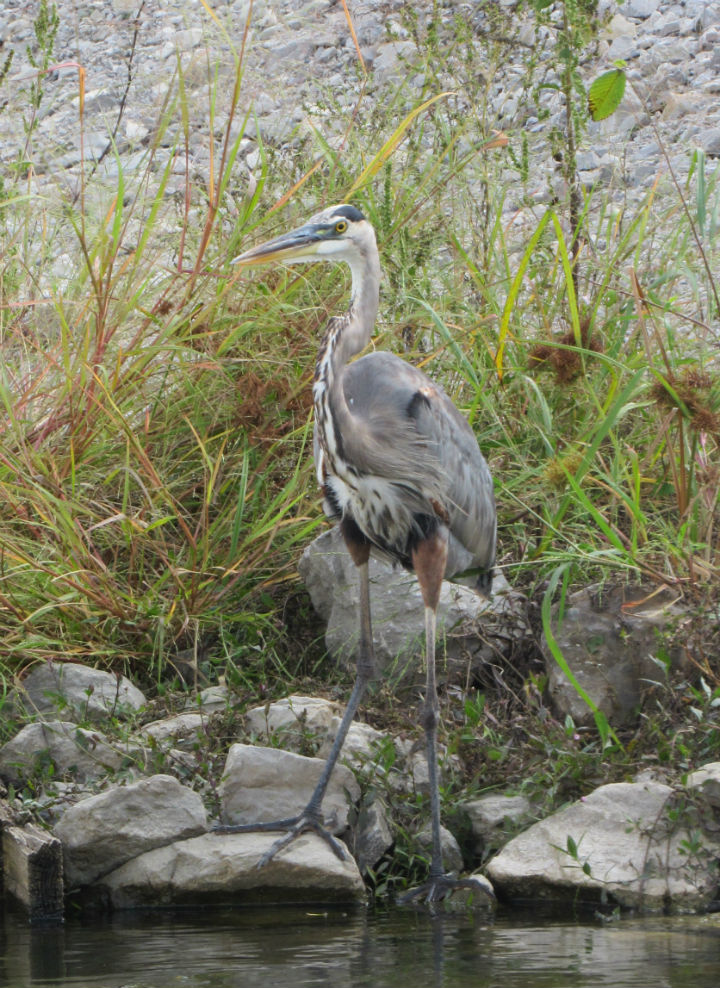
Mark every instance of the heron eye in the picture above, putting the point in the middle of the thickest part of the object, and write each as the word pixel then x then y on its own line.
pixel 341 226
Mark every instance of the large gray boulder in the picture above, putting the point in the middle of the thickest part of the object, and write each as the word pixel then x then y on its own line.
pixel 76 691
pixel 472 631
pixel 628 843
pixel 223 868
pixel 261 785
pixel 103 832
pixel 610 638
pixel 61 745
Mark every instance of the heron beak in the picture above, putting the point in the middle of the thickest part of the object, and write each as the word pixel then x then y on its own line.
pixel 298 245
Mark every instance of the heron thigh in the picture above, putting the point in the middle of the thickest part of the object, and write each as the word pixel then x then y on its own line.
pixel 358 545
pixel 428 558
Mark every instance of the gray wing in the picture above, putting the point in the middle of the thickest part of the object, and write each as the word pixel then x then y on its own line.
pixel 408 431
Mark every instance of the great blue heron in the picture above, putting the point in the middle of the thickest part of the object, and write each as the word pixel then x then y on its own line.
pixel 400 470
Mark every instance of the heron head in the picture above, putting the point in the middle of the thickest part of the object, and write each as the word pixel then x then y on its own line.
pixel 340 233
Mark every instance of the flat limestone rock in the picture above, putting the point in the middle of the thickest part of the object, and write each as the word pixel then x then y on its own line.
pixel 264 784
pixel 72 750
pixel 222 868
pixel 103 832
pixel 286 721
pixel 182 728
pixel 77 690
pixel 628 849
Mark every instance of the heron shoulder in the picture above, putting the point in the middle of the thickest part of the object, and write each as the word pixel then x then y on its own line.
pixel 383 386
pixel 382 381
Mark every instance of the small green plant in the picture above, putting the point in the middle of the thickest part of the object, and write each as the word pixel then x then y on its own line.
pixel 573 32
pixel 572 850
pixel 40 56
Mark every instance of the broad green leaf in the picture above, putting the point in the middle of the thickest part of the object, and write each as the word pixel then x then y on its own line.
pixel 606 93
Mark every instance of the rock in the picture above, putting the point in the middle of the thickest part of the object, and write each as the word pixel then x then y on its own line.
pixel 587 160
pixel 609 638
pixel 210 700
pixel 70 750
pixel 707 13
pixel 124 7
pixel 639 8
pixel 223 868
pixel 618 27
pixel 629 850
pixel 362 744
pixel 7 815
pixel 705 783
pixel 415 774
pixel 492 813
pixel 710 141
pixel 471 630
pixel 369 27
pixel 484 896
pixel 187 727
pixel 71 688
pixel 452 855
pixel 373 835
pixel 680 105
pixel 32 871
pixel 103 832
pixel 54 796
pixel 391 60
pixel 260 785
pixel 622 47
pixel 710 39
pixel 289 721
pixel 136 131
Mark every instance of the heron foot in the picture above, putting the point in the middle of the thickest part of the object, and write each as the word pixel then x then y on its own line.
pixel 440 887
pixel 307 821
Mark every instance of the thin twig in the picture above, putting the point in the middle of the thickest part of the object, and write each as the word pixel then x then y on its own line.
pixel 123 99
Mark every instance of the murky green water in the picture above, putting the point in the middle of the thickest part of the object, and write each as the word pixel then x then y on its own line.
pixel 294 948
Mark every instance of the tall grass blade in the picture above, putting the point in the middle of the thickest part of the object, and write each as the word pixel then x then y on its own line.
pixel 601 722
pixel 514 292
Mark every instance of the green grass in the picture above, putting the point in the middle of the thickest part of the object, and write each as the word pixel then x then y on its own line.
pixel 155 463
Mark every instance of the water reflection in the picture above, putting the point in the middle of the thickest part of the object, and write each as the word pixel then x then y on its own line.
pixel 229 948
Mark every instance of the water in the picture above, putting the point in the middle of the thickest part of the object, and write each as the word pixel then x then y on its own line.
pixel 294 948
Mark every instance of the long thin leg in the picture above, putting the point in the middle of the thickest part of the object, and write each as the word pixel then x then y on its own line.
pixel 429 718
pixel 311 817
pixel 364 673
pixel 429 561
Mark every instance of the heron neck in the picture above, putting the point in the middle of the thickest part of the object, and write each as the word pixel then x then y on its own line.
pixel 344 337
pixel 364 302
pixel 349 334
